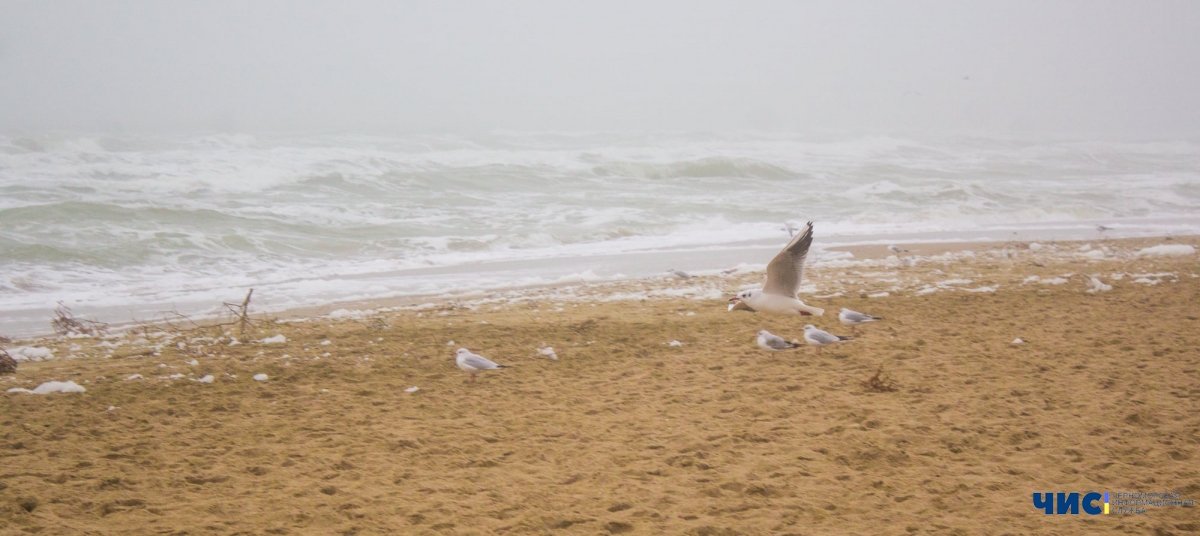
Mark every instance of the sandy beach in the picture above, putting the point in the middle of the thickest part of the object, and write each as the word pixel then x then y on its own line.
pixel 660 415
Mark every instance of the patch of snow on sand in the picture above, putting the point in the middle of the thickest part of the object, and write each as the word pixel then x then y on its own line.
pixel 51 387
pixel 982 289
pixel 1098 286
pixel 31 353
pixel 1167 250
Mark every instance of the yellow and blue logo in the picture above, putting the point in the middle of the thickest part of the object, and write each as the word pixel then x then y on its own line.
pixel 1095 503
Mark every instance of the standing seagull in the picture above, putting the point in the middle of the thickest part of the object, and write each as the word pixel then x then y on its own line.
pixel 783 280
pixel 774 343
pixel 896 249
pixel 679 273
pixel 819 338
pixel 854 318
pixel 474 363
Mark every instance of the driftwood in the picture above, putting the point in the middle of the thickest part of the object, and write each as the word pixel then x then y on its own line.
pixel 65 323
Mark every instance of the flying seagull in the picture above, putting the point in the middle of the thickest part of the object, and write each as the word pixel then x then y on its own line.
pixel 819 338
pixel 474 363
pixel 774 343
pixel 783 280
pixel 854 318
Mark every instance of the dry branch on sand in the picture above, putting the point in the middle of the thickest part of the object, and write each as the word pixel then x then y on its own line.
pixel 176 322
pixel 242 312
pixel 880 382
pixel 65 323
pixel 8 365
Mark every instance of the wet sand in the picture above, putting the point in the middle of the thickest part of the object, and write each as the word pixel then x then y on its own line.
pixel 626 433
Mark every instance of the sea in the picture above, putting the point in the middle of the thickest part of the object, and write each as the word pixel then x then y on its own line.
pixel 124 228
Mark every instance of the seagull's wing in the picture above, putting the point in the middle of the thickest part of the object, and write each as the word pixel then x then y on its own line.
pixel 786 269
pixel 479 362
pixel 855 316
pixel 824 337
pixel 740 306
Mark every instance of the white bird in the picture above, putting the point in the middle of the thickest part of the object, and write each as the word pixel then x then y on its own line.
pixel 896 249
pixel 679 273
pixel 854 318
pixel 774 343
pixel 1102 228
pixel 790 227
pixel 784 272
pixel 819 338
pixel 474 363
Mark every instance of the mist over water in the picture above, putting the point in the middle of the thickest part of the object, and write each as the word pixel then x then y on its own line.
pixel 122 221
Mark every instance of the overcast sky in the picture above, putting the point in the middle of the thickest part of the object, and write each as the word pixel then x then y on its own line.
pixel 1075 69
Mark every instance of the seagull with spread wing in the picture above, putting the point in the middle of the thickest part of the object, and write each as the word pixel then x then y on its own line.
pixel 783 281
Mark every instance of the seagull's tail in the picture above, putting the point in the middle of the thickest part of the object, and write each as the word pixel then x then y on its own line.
pixel 815 311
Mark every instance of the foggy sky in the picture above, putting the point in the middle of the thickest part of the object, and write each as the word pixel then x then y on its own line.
pixel 1075 69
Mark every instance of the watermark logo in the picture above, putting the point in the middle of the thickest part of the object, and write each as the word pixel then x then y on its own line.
pixel 1096 503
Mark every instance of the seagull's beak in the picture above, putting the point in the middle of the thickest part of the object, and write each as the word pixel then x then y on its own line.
pixel 734 299
pixel 805 313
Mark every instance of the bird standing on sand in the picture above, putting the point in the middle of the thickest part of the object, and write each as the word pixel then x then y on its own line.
pixel 896 249
pixel 854 318
pixel 474 363
pixel 784 272
pixel 819 338
pixel 774 343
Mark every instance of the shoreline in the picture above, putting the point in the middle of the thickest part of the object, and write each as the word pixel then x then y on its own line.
pixel 701 285
pixel 568 271
pixel 705 284
pixel 822 257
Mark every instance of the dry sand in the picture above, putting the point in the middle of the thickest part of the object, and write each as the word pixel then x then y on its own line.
pixel 625 433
